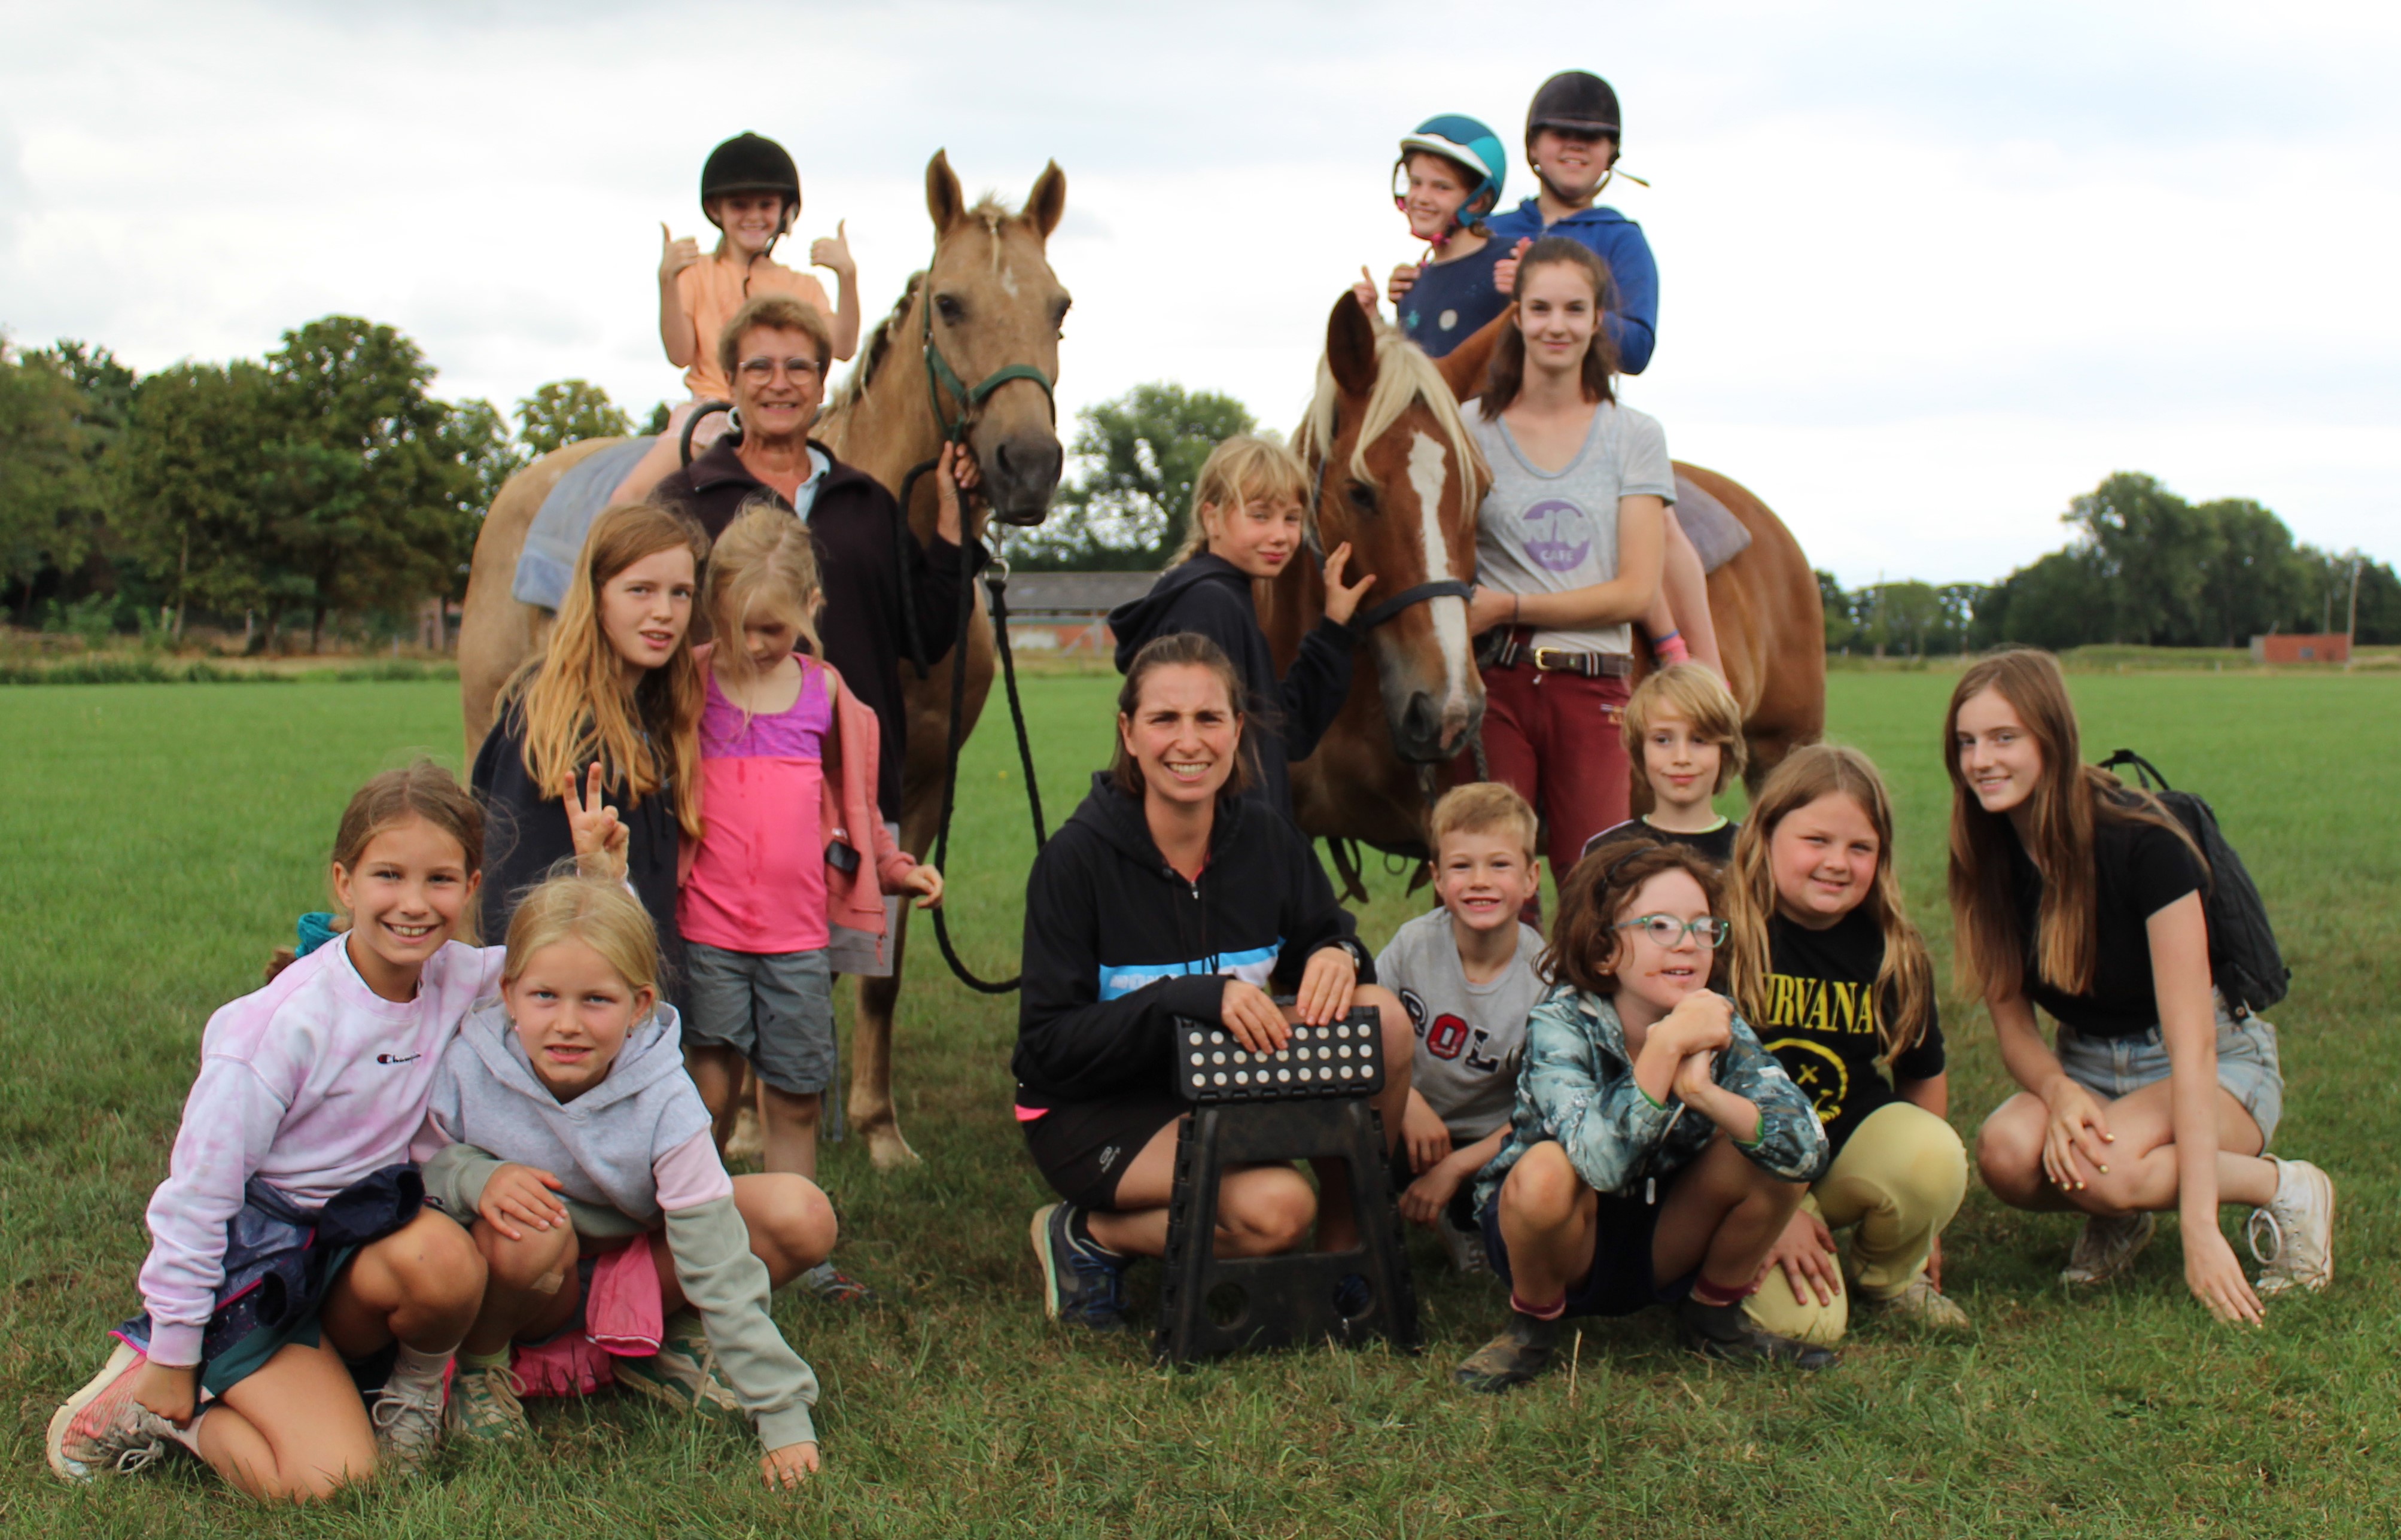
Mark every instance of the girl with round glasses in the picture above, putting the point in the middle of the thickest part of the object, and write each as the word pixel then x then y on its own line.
pixel 1658 1150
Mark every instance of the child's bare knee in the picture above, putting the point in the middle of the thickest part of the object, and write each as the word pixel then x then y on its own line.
pixel 536 1258
pixel 432 1261
pixel 1542 1186
pixel 1269 1209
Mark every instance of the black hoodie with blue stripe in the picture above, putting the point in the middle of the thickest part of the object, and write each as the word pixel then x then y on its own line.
pixel 1117 943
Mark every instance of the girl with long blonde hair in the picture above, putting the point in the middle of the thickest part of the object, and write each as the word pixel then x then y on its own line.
pixel 2079 894
pixel 1826 964
pixel 616 686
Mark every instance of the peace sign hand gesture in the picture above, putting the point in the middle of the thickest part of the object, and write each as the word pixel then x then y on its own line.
pixel 600 836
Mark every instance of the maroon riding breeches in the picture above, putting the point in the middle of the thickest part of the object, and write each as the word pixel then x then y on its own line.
pixel 1554 737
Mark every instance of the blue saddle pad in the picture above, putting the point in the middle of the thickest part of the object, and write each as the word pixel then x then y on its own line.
pixel 557 537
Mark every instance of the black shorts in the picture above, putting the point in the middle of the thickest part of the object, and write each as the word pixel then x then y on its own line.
pixel 1620 1281
pixel 1083 1148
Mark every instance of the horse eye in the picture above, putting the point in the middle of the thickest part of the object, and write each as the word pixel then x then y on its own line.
pixel 1363 497
pixel 1059 316
pixel 950 309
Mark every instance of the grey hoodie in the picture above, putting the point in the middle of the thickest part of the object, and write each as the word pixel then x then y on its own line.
pixel 604 1147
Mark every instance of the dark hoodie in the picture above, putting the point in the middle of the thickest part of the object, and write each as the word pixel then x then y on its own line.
pixel 1117 942
pixel 1211 596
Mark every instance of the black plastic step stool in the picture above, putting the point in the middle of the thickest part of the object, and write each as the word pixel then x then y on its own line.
pixel 1308 1102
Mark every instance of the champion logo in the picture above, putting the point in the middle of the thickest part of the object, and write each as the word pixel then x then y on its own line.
pixel 397 1058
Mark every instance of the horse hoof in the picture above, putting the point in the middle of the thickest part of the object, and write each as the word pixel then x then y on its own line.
pixel 889 1150
pixel 749 1141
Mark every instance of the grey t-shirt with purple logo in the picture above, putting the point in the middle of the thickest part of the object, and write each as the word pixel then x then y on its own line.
pixel 1545 533
pixel 1469 1036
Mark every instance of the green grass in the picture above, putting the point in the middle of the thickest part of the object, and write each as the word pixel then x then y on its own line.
pixel 156 841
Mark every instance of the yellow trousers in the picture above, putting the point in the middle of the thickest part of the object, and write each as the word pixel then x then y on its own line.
pixel 1896 1183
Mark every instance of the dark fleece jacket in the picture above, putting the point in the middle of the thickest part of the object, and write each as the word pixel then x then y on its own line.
pixel 1211 596
pixel 1117 943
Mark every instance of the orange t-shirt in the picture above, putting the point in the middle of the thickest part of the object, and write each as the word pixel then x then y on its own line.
pixel 712 289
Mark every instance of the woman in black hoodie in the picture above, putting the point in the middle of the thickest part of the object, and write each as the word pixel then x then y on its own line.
pixel 1169 894
pixel 1247 512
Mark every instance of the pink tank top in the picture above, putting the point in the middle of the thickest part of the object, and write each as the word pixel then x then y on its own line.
pixel 758 879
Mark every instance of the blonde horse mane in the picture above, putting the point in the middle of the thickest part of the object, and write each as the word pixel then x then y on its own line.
pixel 993 212
pixel 1405 376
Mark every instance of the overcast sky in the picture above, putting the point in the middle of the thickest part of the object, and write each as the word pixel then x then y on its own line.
pixel 1927 272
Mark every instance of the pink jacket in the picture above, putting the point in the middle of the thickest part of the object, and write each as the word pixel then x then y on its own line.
pixel 847 812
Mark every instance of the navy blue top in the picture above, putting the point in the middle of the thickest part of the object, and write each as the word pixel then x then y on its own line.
pixel 1451 301
pixel 1632 311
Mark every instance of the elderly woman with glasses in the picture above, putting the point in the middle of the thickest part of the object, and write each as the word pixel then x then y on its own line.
pixel 777 350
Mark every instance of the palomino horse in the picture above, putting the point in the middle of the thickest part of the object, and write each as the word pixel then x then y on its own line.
pixel 1410 512
pixel 995 306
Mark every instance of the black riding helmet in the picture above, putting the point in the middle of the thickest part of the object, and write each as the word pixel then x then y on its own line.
pixel 749 162
pixel 1575 102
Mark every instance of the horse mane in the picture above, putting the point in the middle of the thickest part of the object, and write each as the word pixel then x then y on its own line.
pixel 1405 377
pixel 993 212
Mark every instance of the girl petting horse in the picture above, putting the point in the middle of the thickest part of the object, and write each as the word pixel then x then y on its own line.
pixel 2084 895
pixel 1657 1149
pixel 1169 894
pixel 289 1250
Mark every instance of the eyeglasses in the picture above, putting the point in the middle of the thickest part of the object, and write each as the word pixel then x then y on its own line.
pixel 1666 930
pixel 761 370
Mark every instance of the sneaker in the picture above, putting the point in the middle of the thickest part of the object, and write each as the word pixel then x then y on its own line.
pixel 1920 1304
pixel 1082 1280
pixel 407 1417
pixel 2108 1248
pixel 682 1374
pixel 1516 1357
pixel 484 1405
pixel 2299 1224
pixel 835 1287
pixel 1728 1332
pixel 103 1428
pixel 1464 1245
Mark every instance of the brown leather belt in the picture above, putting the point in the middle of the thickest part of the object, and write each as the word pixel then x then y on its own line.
pixel 1514 647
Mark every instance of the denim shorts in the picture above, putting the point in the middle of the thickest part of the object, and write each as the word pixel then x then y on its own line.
pixel 2247 1064
pixel 773 1009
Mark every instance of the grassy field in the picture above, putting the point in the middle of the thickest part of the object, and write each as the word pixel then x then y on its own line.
pixel 156 840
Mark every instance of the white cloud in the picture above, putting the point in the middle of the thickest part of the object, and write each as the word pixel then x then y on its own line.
pixel 1927 271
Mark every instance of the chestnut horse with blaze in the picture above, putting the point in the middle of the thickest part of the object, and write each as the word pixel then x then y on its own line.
pixel 1396 476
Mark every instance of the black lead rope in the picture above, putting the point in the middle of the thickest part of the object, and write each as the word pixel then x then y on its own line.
pixel 995 583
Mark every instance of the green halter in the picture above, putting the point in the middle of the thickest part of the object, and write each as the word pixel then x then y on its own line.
pixel 940 376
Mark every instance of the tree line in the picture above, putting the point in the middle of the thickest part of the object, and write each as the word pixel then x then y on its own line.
pixel 324 479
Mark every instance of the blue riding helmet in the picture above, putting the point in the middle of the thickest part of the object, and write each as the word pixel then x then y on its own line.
pixel 1466 143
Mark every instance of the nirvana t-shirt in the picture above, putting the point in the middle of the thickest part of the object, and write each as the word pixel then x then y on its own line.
pixel 1548 532
pixel 1469 1036
pixel 2139 869
pixel 1451 301
pixel 1715 843
pixel 1823 1018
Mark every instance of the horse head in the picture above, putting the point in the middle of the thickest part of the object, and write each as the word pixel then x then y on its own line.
pixel 989 313
pixel 1395 472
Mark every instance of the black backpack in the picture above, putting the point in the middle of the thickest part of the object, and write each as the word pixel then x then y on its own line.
pixel 2249 970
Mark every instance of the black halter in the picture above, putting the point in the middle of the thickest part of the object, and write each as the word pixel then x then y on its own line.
pixel 1408 598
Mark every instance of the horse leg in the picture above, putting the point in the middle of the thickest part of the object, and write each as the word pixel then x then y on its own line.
pixel 871 1109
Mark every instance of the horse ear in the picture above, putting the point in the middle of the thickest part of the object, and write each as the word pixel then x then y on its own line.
pixel 1463 368
pixel 1047 202
pixel 944 199
pixel 1351 346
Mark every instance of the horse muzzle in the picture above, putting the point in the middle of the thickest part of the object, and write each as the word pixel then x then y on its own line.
pixel 1423 732
pixel 1020 475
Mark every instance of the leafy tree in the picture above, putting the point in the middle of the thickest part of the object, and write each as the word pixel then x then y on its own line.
pixel 481 435
pixel 2058 602
pixel 2258 581
pixel 365 496
pixel 566 411
pixel 1841 629
pixel 192 463
pixel 46 478
pixel 658 422
pixel 1142 453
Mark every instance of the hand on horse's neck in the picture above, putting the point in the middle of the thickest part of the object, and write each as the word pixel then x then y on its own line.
pixel 781 463
pixel 1181 831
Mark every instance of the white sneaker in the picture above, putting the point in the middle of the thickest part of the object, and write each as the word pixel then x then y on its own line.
pixel 2298 1227
pixel 407 1418
pixel 2108 1248
pixel 103 1429
pixel 1464 1245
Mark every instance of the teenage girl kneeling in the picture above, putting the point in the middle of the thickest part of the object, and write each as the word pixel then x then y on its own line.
pixel 1658 1150
pixel 1839 984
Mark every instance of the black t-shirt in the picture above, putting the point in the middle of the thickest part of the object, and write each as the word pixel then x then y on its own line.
pixel 2139 869
pixel 1451 301
pixel 1822 1020
pixel 1715 843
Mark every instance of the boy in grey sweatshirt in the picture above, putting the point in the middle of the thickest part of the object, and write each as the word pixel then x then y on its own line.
pixel 601 1143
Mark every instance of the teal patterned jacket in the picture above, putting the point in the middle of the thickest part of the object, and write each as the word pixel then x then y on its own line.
pixel 1577 1087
